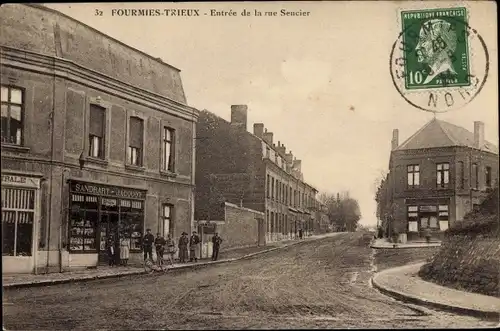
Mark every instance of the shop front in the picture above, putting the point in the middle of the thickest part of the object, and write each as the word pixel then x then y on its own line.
pixel 427 218
pixel 20 221
pixel 206 230
pixel 101 215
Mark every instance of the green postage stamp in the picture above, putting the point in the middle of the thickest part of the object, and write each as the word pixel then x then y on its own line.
pixel 435 48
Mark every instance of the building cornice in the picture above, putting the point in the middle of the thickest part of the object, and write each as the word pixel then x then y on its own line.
pixel 69 70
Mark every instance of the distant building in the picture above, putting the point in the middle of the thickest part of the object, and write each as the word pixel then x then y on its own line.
pixel 97 142
pixel 251 171
pixel 435 177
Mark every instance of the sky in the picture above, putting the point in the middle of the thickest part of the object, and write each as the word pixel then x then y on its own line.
pixel 321 83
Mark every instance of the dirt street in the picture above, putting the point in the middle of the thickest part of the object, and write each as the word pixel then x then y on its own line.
pixel 319 284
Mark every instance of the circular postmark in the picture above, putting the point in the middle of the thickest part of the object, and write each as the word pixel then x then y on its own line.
pixel 438 62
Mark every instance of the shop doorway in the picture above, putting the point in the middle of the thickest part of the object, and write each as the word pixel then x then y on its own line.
pixel 108 229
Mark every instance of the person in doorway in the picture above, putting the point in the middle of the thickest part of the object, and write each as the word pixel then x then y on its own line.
pixel 427 235
pixel 300 233
pixel 194 247
pixel 183 247
pixel 147 244
pixel 124 250
pixel 110 250
pixel 160 247
pixel 216 241
pixel 170 245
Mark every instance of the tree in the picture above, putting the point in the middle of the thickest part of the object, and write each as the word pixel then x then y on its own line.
pixel 342 210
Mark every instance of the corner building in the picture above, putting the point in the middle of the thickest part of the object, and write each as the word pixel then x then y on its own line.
pixel 97 142
pixel 251 171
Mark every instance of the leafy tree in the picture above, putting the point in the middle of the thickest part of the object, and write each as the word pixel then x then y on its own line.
pixel 342 210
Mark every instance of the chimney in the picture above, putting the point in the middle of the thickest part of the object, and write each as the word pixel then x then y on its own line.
pixel 297 165
pixel 478 134
pixel 281 149
pixel 289 157
pixel 395 139
pixel 268 137
pixel 239 115
pixel 258 130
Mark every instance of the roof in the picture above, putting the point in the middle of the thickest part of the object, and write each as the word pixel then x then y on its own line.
pixel 437 133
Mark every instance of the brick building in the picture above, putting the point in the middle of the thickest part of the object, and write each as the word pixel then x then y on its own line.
pixel 251 171
pixel 435 177
pixel 97 141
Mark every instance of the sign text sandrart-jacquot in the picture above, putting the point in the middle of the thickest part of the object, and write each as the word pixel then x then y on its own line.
pixel 105 190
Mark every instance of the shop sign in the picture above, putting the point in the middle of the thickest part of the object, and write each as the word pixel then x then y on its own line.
pixel 107 190
pixel 20 181
pixel 428 208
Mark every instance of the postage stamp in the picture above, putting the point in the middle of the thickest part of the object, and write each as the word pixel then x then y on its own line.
pixel 438 63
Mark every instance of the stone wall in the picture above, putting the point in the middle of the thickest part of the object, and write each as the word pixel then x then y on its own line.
pixel 241 227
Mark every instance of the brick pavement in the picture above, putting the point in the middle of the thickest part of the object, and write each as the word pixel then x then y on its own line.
pixel 103 272
pixel 404 283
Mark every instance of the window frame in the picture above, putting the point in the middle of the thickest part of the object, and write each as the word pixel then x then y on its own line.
pixel 413 172
pixel 461 174
pixel 475 176
pixel 170 219
pixel 171 167
pixel 442 174
pixel 104 131
pixel 487 177
pixel 22 115
pixel 129 147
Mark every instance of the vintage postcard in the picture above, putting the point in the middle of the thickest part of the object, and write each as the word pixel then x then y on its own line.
pixel 250 165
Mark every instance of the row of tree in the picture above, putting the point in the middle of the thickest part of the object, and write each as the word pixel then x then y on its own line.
pixel 342 210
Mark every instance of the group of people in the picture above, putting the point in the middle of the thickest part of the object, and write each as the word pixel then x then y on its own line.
pixel 189 248
pixel 118 254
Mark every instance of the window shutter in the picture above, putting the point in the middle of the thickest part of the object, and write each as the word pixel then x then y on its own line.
pixel 96 121
pixel 136 136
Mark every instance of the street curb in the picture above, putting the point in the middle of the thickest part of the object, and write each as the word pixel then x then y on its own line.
pixel 404 247
pixel 437 305
pixel 143 272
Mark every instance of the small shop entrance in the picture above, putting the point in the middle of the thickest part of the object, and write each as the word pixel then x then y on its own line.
pixel 108 230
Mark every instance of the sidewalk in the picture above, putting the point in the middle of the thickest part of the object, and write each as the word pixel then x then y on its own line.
pixel 385 244
pixel 103 272
pixel 403 283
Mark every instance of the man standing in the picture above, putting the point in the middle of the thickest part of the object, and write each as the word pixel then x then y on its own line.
pixel 216 241
pixel 147 244
pixel 160 247
pixel 300 233
pixel 194 247
pixel 183 247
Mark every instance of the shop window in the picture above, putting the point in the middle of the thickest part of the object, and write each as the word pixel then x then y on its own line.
pixel 166 222
pixel 136 137
pixel 413 173
pixel 443 175
pixel 93 219
pixel 18 208
pixel 12 115
pixel 168 149
pixel 412 218
pixel 97 131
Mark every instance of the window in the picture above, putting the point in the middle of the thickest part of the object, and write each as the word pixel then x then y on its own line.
pixel 135 141
pixel 272 222
pixel 268 186
pixel 413 175
pixel 168 149
pixel 166 222
pixel 18 209
pixel 272 188
pixel 461 176
pixel 488 176
pixel 443 174
pixel 475 176
pixel 12 115
pixel 84 218
pixel 268 152
pixel 96 131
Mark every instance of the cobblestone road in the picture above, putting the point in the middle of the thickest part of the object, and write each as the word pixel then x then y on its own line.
pixel 319 284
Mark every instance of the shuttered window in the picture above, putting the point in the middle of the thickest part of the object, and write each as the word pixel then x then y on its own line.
pixel 97 131
pixel 136 141
pixel 18 212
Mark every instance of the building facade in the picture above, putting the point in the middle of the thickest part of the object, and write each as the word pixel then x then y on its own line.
pixel 97 143
pixel 435 177
pixel 251 171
